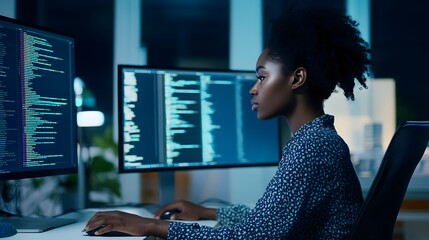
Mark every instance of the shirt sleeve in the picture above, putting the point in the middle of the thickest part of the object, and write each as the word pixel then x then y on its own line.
pixel 232 215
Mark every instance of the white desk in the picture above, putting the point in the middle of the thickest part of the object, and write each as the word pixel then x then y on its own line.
pixel 74 231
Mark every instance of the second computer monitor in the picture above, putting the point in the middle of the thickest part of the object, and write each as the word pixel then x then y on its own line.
pixel 191 118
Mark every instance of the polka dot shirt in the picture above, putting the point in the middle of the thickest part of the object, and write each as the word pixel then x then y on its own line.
pixel 315 194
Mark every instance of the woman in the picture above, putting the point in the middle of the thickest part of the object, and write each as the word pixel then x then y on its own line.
pixel 315 193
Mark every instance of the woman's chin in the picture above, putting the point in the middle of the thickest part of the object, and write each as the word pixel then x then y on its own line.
pixel 262 116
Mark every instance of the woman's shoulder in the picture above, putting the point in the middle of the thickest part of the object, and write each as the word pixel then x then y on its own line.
pixel 320 144
pixel 323 137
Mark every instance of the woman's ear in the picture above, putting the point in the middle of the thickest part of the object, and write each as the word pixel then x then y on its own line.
pixel 299 77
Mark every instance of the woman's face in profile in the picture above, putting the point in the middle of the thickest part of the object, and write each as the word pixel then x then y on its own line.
pixel 272 92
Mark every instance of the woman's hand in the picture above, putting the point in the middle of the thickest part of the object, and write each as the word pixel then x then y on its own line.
pixel 127 223
pixel 188 211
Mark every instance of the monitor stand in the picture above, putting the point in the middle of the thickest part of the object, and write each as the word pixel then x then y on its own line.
pixel 167 193
pixel 32 224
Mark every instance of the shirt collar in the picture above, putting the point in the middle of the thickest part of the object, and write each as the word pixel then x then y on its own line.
pixel 317 123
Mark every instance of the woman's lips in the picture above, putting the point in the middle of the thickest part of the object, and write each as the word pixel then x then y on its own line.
pixel 254 106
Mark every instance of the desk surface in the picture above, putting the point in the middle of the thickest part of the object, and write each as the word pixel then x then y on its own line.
pixel 413 216
pixel 74 231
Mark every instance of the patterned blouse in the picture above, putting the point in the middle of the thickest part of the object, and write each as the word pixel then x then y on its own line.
pixel 315 194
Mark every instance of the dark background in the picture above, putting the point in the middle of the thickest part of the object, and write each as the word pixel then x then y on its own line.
pixel 189 33
pixel 400 44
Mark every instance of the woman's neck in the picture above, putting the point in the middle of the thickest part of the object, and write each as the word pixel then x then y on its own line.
pixel 303 114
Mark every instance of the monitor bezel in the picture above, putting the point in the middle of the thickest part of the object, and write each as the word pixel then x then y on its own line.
pixel 120 121
pixel 74 158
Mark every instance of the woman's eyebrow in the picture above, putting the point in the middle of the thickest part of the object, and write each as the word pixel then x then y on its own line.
pixel 259 67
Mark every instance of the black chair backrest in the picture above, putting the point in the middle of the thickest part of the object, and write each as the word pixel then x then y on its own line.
pixel 378 214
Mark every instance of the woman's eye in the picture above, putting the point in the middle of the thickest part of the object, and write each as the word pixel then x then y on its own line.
pixel 260 78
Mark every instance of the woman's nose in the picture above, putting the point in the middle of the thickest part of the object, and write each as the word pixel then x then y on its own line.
pixel 253 90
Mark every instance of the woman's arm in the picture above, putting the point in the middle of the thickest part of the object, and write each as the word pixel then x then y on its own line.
pixel 190 211
pixel 233 214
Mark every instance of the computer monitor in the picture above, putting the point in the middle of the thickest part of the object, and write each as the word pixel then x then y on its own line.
pixel 176 119
pixel 37 103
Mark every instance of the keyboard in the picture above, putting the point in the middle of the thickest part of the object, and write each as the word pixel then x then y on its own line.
pixel 31 225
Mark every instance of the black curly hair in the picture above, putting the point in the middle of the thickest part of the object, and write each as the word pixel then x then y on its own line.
pixel 324 41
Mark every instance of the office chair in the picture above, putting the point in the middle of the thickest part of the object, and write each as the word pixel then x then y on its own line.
pixel 378 214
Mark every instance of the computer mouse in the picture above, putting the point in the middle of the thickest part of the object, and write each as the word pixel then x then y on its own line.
pixel 113 233
pixel 7 229
pixel 167 214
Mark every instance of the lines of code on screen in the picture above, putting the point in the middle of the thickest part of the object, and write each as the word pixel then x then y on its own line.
pixel 184 118
pixel 36 123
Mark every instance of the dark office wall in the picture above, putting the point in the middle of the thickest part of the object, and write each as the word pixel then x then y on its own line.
pixel 273 9
pixel 400 44
pixel 90 23
pixel 186 33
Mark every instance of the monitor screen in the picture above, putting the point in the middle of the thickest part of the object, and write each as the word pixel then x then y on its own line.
pixel 191 118
pixel 37 104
